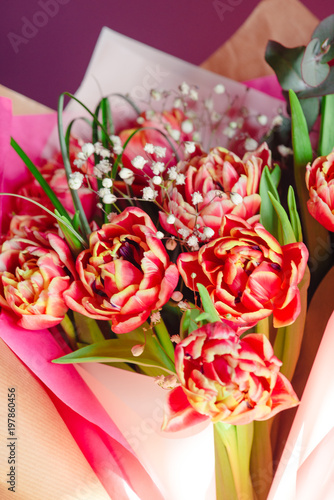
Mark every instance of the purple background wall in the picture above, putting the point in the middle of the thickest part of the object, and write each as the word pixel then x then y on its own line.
pixel 46 44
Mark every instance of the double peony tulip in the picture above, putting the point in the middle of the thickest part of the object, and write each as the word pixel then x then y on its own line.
pixel 225 183
pixel 34 275
pixel 248 274
pixel 227 379
pixel 125 274
pixel 320 183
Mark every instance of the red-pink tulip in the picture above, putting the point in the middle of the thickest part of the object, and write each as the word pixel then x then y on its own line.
pixel 34 274
pixel 248 274
pixel 125 274
pixel 320 183
pixel 226 379
pixel 226 184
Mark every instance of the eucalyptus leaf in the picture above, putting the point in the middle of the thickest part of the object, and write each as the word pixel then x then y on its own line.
pixel 313 72
pixel 326 87
pixel 286 63
pixel 325 31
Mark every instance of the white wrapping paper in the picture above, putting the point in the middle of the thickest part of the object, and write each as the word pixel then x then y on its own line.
pixel 182 463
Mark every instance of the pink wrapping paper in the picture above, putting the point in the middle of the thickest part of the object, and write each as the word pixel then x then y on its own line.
pixel 306 469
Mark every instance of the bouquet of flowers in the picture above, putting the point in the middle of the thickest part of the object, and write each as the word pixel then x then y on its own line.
pixel 148 244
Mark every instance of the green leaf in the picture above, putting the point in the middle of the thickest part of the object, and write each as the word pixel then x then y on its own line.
pixel 207 304
pixel 288 235
pixel 325 31
pixel 286 63
pixel 302 149
pixel 88 330
pixel 313 72
pixel 164 339
pixel 275 175
pixel 40 179
pixel 113 351
pixel 188 323
pixel 294 216
pixel 311 110
pixel 84 226
pixel 268 216
pixel 326 139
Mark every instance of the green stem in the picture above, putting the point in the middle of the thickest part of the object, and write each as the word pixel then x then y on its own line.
pixel 164 339
pixel 261 464
pixel 237 441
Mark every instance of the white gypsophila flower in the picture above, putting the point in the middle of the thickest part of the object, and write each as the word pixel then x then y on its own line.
pixel 103 192
pixel 149 194
pixel 137 350
pixel 156 94
pixel 98 147
pixel 158 167
pixel 177 103
pixel 233 125
pixel 277 121
pixel 116 140
pixel 180 179
pixel 187 126
pixel 157 180
pixel 250 144
pixel 193 242
pixel 159 235
pixel 105 153
pixel 189 147
pixel 104 166
pixel 193 95
pixel 107 182
pixel 262 119
pixel 177 296
pixel 229 132
pixel 171 219
pixel 79 163
pixel 140 120
pixel 183 305
pixel 284 150
pixel 149 148
pixel 184 88
pixel 99 205
pixel 97 172
pixel 184 232
pixel 149 114
pixel 208 104
pixel 75 181
pixel 139 162
pixel 81 156
pixel 172 173
pixel 160 151
pixel 175 134
pixel 118 150
pixel 196 198
pixel 219 88
pixel 236 198
pixel 127 176
pixel 109 198
pixel 166 382
pixel 176 339
pixel 155 317
pixel 208 232
pixel 215 117
pixel 88 149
